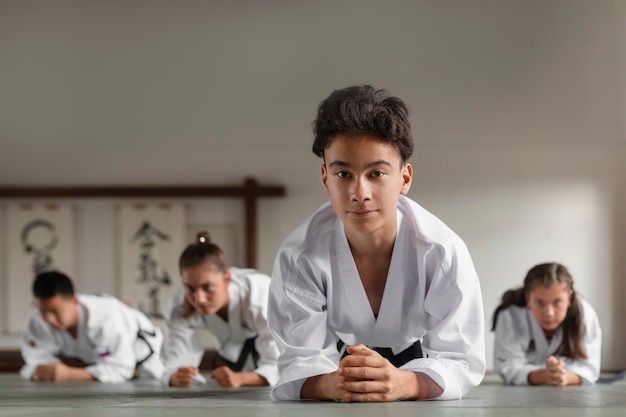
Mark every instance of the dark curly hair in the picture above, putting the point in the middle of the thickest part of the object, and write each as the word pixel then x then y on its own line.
pixel 363 110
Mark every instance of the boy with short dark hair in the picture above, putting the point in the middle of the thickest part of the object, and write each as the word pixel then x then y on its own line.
pixel 114 341
pixel 373 298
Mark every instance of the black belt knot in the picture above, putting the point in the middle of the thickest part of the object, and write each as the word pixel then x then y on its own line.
pixel 412 352
pixel 248 350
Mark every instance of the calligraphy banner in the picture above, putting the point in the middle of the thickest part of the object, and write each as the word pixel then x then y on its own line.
pixel 151 238
pixel 39 238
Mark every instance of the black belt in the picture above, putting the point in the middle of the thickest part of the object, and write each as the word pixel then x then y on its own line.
pixel 247 350
pixel 141 335
pixel 412 352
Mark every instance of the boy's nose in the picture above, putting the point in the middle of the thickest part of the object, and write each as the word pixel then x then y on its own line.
pixel 50 318
pixel 360 190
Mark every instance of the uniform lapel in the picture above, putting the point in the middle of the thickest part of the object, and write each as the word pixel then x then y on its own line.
pixel 361 314
pixel 391 305
pixel 541 342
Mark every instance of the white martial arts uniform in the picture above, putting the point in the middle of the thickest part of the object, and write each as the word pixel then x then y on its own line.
pixel 247 318
pixel 112 338
pixel 432 294
pixel 521 346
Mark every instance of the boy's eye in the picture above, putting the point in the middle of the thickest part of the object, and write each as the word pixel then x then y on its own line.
pixel 343 174
pixel 207 288
pixel 377 174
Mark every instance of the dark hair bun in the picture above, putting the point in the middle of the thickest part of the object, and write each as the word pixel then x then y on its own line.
pixel 203 237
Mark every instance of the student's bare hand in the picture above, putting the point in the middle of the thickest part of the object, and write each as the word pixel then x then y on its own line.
pixel 556 373
pixel 226 377
pixel 367 376
pixel 183 377
pixel 55 371
pixel 323 387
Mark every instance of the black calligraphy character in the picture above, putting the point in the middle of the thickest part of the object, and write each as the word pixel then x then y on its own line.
pixel 149 275
pixel 39 238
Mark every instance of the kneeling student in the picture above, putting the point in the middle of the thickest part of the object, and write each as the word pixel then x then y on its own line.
pixel 546 334
pixel 231 303
pixel 116 342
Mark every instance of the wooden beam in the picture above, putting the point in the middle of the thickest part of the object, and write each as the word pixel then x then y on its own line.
pixel 250 192
pixel 142 191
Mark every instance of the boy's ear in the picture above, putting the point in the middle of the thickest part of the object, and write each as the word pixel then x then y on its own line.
pixel 407 178
pixel 324 177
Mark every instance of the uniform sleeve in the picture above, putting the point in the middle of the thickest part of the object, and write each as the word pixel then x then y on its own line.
pixel 182 346
pixel 454 343
pixel 509 351
pixel 297 319
pixel 589 369
pixel 37 346
pixel 265 344
pixel 113 338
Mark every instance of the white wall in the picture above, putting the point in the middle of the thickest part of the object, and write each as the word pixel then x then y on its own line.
pixel 518 109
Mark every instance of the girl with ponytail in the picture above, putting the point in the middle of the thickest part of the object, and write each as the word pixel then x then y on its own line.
pixel 231 304
pixel 545 333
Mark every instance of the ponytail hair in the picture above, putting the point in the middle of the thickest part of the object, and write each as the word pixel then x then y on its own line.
pixel 516 297
pixel 201 252
pixel 573 327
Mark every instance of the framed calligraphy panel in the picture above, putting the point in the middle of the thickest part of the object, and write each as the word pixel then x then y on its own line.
pixel 151 237
pixel 39 237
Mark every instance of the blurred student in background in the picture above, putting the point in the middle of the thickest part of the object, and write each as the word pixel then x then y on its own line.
pixel 230 303
pixel 545 333
pixel 115 341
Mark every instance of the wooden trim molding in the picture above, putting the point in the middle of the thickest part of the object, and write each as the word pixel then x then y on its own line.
pixel 11 360
pixel 251 191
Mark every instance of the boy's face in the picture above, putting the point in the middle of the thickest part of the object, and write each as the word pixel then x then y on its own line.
pixel 60 312
pixel 363 177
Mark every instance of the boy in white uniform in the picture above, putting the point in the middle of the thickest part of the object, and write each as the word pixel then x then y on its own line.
pixel 116 342
pixel 373 298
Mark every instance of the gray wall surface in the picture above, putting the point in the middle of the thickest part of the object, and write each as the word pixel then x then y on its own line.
pixel 518 109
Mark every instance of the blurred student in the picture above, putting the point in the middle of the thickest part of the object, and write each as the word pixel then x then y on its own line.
pixel 230 303
pixel 116 342
pixel 545 333
pixel 373 298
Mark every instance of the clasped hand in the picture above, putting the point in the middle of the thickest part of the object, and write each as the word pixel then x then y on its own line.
pixel 364 375
pixel 556 373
